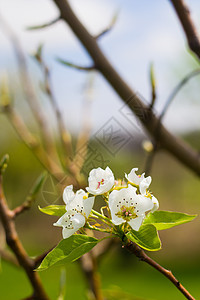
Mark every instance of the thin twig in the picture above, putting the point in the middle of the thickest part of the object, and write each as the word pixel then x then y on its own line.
pixel 5 255
pixel 29 90
pixel 69 64
pixel 65 136
pixel 177 147
pixel 45 25
pixel 84 135
pixel 135 249
pixel 33 144
pixel 31 196
pixel 109 27
pixel 176 90
pixel 187 23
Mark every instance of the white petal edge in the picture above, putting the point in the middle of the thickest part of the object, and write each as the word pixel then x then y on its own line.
pixel 68 194
pixel 78 221
pixel 88 204
pixel 136 223
pixel 155 203
pixel 144 184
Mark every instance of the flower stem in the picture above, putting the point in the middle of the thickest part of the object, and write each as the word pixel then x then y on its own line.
pixel 101 216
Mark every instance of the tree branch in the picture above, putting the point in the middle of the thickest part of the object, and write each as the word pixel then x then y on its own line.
pixel 178 148
pixel 135 249
pixel 191 33
pixel 43 25
pixel 14 243
pixel 8 257
pixel 176 90
pixel 69 64
pixel 29 90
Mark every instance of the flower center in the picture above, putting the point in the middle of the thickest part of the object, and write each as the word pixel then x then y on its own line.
pixel 100 183
pixel 126 213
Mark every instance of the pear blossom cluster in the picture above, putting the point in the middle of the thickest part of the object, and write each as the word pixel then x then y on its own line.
pixel 128 201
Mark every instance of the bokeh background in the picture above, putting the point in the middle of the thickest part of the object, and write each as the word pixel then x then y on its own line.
pixel 145 32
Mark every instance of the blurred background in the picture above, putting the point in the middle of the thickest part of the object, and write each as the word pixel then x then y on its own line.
pixel 144 33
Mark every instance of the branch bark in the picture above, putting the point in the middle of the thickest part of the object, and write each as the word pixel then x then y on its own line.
pixel 17 248
pixel 178 148
pixel 187 23
pixel 136 250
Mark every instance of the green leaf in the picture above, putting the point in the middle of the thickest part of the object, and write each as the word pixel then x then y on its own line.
pixel 167 219
pixel 53 210
pixel 68 250
pixel 147 237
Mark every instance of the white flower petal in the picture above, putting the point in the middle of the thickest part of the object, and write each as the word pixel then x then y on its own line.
pixel 137 222
pixel 143 204
pixel 133 177
pixel 144 184
pixel 155 203
pixel 88 204
pixel 116 220
pixel 100 181
pixel 64 219
pixel 68 193
pixel 78 221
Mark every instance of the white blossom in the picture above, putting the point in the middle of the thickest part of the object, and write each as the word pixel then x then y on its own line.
pixel 100 181
pixel 78 208
pixel 140 180
pixel 128 206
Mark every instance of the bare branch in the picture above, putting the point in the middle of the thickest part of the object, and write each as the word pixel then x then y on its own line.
pixel 176 90
pixel 109 28
pixel 135 249
pixel 32 195
pixel 89 267
pixel 177 147
pixel 69 64
pixel 33 144
pixel 14 243
pixel 5 255
pixel 29 90
pixel 45 25
pixel 65 136
pixel 191 33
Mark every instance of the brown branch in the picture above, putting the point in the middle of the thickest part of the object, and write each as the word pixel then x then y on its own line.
pixel 29 90
pixel 8 257
pixel 69 64
pixel 135 249
pixel 32 143
pixel 65 136
pixel 186 21
pixel 88 264
pixel 177 147
pixel 17 248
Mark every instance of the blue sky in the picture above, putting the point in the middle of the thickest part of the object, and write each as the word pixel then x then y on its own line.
pixel 145 32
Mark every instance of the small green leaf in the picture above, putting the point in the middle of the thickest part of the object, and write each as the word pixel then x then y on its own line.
pixel 147 237
pixel 68 250
pixel 167 219
pixel 53 210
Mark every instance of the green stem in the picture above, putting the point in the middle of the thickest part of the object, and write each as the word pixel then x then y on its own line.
pixel 96 229
pixel 101 216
